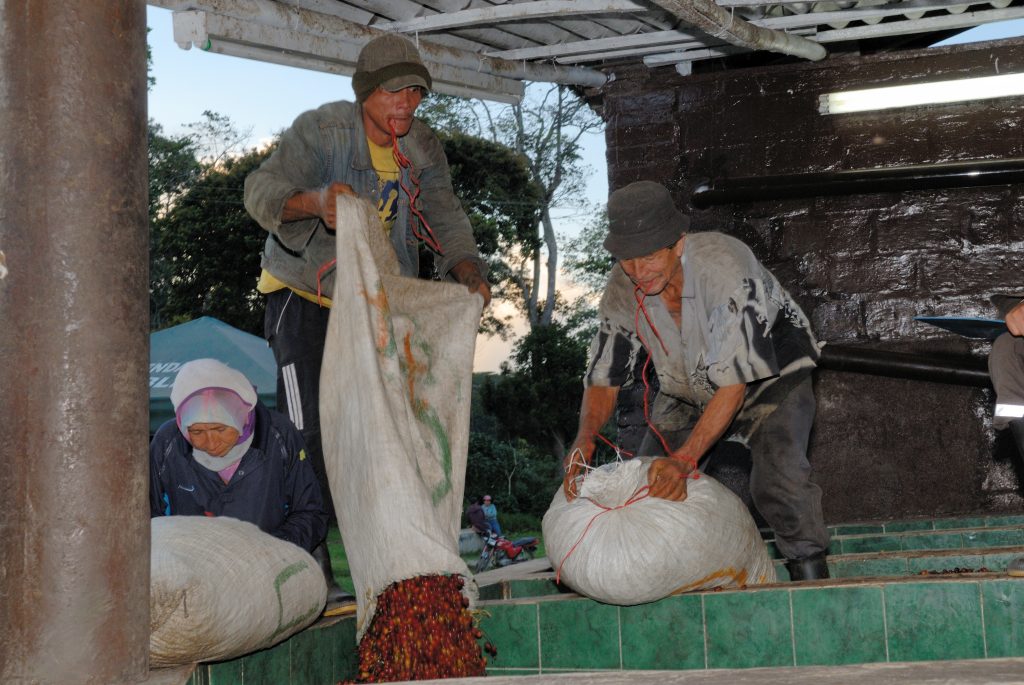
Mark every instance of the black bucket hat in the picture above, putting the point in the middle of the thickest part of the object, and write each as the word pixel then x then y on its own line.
pixel 642 219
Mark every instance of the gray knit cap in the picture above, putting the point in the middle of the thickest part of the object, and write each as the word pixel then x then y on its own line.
pixel 642 219
pixel 391 62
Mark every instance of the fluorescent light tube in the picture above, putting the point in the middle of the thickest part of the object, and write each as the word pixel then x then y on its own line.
pixel 959 90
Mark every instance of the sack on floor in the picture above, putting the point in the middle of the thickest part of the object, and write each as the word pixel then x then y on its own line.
pixel 394 411
pixel 651 547
pixel 221 588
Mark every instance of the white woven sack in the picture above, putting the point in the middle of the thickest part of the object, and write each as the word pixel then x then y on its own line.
pixel 394 411
pixel 221 588
pixel 652 547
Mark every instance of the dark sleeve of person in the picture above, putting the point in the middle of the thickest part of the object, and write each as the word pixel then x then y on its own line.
pixel 306 522
pixel 477 520
pixel 158 502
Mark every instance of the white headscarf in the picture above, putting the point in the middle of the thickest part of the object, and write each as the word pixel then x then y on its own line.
pixel 208 391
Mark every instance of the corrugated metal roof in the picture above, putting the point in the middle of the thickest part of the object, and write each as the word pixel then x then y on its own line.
pixel 486 48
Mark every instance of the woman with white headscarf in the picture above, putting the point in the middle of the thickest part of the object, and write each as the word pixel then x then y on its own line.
pixel 225 454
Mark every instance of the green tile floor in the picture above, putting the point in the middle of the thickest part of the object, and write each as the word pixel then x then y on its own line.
pixel 876 609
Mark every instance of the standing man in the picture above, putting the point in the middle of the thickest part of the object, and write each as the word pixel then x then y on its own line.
pixel 373 148
pixel 733 353
pixel 1006 367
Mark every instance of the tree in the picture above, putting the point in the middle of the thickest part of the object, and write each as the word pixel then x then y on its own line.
pixel 537 396
pixel 499 197
pixel 546 130
pixel 587 265
pixel 173 167
pixel 210 248
pixel 513 470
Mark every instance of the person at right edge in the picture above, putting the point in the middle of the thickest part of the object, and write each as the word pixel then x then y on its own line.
pixel 1006 368
pixel 733 355
pixel 374 148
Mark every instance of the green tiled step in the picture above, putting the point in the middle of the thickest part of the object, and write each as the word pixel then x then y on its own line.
pixel 877 565
pixel 323 654
pixel 967 538
pixel 996 521
pixel 912 563
pixel 842 622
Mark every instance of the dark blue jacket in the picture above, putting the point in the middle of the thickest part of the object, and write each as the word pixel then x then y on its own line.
pixel 274 486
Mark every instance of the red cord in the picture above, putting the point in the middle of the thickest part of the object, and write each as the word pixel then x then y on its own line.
pixel 319 276
pixel 615 447
pixel 430 239
pixel 637 496
pixel 643 375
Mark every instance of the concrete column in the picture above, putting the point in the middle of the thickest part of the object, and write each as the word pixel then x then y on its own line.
pixel 74 525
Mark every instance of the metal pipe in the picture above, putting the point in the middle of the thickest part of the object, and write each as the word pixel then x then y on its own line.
pixel 969 371
pixel 74 520
pixel 983 172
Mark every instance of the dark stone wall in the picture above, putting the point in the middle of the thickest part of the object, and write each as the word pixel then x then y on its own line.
pixel 862 266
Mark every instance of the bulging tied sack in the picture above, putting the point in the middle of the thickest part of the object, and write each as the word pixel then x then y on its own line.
pixel 617 545
pixel 394 412
pixel 221 588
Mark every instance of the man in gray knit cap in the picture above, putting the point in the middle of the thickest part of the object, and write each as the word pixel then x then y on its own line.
pixel 373 148
pixel 733 355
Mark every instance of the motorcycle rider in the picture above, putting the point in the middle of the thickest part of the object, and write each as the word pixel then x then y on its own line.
pixel 477 520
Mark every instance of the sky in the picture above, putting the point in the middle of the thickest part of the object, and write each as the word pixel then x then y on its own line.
pixel 264 99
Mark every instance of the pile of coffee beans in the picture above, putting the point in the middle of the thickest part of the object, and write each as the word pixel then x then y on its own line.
pixel 422 629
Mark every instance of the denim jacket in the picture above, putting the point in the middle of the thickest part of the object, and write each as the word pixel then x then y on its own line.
pixel 329 144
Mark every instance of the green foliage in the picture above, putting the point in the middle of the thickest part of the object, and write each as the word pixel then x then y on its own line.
pixel 586 261
pixel 587 264
pixel 496 191
pixel 515 524
pixel 519 477
pixel 537 396
pixel 501 201
pixel 209 248
pixel 173 167
pixel 204 248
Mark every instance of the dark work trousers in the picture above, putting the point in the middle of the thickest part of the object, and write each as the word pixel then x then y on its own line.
pixel 296 329
pixel 775 426
pixel 1006 367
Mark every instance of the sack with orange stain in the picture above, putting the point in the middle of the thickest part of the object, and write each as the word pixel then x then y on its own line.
pixel 395 393
pixel 615 545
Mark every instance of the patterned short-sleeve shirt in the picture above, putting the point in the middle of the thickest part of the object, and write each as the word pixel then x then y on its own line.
pixel 738 325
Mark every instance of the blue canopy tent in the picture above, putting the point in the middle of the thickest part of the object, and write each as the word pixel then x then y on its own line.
pixel 203 338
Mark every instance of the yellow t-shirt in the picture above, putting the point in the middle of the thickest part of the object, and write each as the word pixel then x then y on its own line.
pixel 387 183
pixel 388 190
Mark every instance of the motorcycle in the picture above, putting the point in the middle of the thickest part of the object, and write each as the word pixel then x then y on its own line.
pixel 499 551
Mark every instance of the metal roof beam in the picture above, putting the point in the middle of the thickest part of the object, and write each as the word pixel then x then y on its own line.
pixel 720 23
pixel 858 14
pixel 538 9
pixel 925 25
pixel 582 47
pixel 268 13
pixel 233 36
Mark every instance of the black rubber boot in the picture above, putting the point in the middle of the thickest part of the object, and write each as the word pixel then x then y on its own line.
pixel 335 593
pixel 810 568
